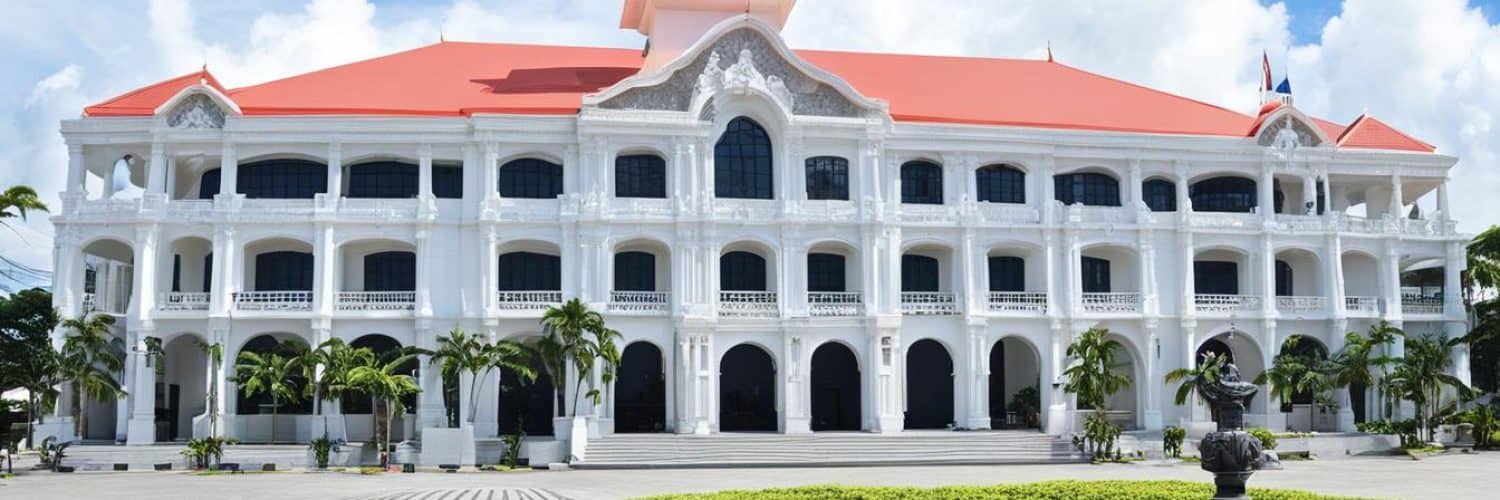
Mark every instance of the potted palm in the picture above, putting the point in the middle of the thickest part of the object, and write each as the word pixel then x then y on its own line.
pixel 1206 371
pixel 459 353
pixel 87 364
pixel 575 336
pixel 1093 376
pixel 268 373
pixel 384 381
pixel 327 367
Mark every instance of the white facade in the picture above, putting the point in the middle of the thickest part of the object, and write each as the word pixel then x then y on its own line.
pixel 1347 264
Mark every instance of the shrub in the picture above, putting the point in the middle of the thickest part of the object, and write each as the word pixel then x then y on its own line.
pixel 1026 403
pixel 1266 437
pixel 1099 436
pixel 204 452
pixel 1171 441
pixel 1046 490
pixel 513 444
pixel 1406 429
pixel 320 448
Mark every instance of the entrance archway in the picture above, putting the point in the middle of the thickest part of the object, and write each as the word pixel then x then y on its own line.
pixel 929 386
pixel 526 406
pixel 747 390
pixel 835 388
pixel 1015 400
pixel 641 390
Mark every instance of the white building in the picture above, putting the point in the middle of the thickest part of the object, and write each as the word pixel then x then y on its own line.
pixel 789 240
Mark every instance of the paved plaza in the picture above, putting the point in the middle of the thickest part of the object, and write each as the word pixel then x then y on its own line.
pixel 1448 476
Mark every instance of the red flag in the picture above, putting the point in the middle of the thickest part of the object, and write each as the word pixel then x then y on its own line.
pixel 1265 67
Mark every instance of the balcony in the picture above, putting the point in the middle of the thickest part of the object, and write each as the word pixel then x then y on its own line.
pixel 295 300
pixel 527 300
pixel 1112 302
pixel 748 304
pixel 835 304
pixel 639 303
pixel 1297 304
pixel 376 301
pixel 183 301
pixel 1006 213
pixel 913 213
pixel 107 303
pixel 1224 220
pixel 1362 306
pixel 928 303
pixel 1420 304
pixel 1018 302
pixel 1214 303
pixel 376 208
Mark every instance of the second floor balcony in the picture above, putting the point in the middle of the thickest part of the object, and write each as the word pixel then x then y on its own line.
pixel 376 301
pixel 1018 302
pixel 183 301
pixel 1295 304
pixel 928 303
pixel 748 304
pixel 639 302
pixel 527 300
pixel 834 304
pixel 1362 306
pixel 1111 302
pixel 1214 303
pixel 275 300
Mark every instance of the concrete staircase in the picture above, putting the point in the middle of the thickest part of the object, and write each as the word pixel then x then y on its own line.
pixel 827 449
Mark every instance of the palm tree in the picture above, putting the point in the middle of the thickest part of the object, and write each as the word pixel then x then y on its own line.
pixel 1206 371
pixel 328 367
pixel 459 352
pixel 1483 272
pixel 574 334
pixel 215 354
pixel 385 382
pixel 16 201
pixel 1092 372
pixel 1423 374
pixel 1297 371
pixel 87 363
pixel 269 373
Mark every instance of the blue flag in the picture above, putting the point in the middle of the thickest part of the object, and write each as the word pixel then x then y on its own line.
pixel 1285 87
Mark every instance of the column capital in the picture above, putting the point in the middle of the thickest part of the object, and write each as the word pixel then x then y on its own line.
pixel 424 150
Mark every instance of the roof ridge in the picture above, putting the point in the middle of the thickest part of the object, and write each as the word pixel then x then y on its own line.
pixel 142 89
pixel 337 66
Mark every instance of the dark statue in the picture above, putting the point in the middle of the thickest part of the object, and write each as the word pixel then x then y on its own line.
pixel 1230 453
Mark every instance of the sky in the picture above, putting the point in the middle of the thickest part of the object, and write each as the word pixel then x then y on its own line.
pixel 1429 67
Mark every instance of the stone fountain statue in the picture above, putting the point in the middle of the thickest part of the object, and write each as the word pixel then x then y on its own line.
pixel 1230 453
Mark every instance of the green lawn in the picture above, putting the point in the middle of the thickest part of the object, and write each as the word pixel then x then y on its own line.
pixel 1059 490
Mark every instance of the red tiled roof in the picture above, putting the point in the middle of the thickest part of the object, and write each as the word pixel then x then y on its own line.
pixel 144 101
pixel 1369 133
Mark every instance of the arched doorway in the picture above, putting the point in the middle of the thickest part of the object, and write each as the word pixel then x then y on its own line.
pixel 835 388
pixel 641 390
pixel 180 387
pixel 1015 378
pixel 747 390
pixel 526 406
pixel 929 386
pixel 1307 410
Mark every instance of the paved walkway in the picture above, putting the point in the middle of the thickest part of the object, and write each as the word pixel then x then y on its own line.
pixel 1449 476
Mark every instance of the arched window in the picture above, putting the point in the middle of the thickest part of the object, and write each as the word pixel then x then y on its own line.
pixel 382 179
pixel 635 272
pixel 827 178
pixel 919 273
pixel 922 182
pixel 288 179
pixel 640 176
pixel 1160 195
pixel 1001 184
pixel 448 181
pixel 391 272
pixel 1283 279
pixel 1216 277
pixel 531 178
pixel 1095 275
pixel 284 271
pixel 1223 194
pixel 825 272
pixel 208 184
pixel 530 271
pixel 742 161
pixel 1007 274
pixel 742 271
pixel 1088 188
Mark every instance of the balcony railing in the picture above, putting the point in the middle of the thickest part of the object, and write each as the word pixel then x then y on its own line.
pixel 748 304
pixel 1301 304
pixel 183 301
pixel 1362 306
pixel 1035 302
pixel 1112 302
pixel 1225 303
pixel 376 301
pixel 928 303
pixel 1009 213
pixel 1421 305
pixel 633 302
pixel 527 300
pixel 295 300
pixel 826 304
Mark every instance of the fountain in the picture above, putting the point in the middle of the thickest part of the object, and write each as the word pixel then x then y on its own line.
pixel 1229 452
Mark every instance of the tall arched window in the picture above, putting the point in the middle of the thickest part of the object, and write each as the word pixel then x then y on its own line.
pixel 742 161
pixel 284 271
pixel 919 273
pixel 825 272
pixel 394 271
pixel 635 272
pixel 382 179
pixel 286 178
pixel 1088 188
pixel 742 271
pixel 1223 194
pixel 922 182
pixel 827 178
pixel 1160 195
pixel 531 178
pixel 1007 274
pixel 640 176
pixel 530 271
pixel 1283 279
pixel 1001 184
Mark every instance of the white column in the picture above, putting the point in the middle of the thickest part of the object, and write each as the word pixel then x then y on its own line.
pixel 797 420
pixel 77 174
pixel 1058 420
pixel 156 169
pixel 142 394
pixel 1184 201
pixel 1154 372
pixel 223 283
pixel 424 273
pixel 1390 271
pixel 1189 304
pixel 1149 296
pixel 1397 201
pixel 1454 264
pixel 171 177
pixel 424 171
pixel 1336 331
pixel 218 382
pixel 1267 268
pixel 1132 189
pixel 325 262
pixel 1309 196
pixel 491 270
pixel 885 352
pixel 1334 257
pixel 1442 205
pixel 969 288
pixel 1048 196
pixel 978 370
pixel 489 166
pixel 1267 199
pixel 229 171
pixel 793 289
pixel 1275 419
pixel 335 172
pixel 1049 266
pixel 144 296
pixel 892 285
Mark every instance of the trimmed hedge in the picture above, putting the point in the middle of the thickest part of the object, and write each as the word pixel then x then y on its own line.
pixel 1046 490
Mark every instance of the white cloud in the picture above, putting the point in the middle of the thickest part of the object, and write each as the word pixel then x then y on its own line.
pixel 63 79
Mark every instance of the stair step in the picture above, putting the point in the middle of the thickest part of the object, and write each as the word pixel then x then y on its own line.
pixel 835 449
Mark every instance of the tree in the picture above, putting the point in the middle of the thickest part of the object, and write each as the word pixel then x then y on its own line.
pixel 1092 371
pixel 1422 375
pixel 1484 346
pixel 215 354
pixel 1483 265
pixel 1296 371
pixel 1353 364
pixel 384 381
pixel 1206 371
pixel 87 364
pixel 26 358
pixel 328 367
pixel 14 204
pixel 269 373
pixel 459 352
pixel 574 335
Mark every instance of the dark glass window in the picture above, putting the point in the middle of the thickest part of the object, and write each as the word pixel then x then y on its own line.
pixel 742 161
pixel 1091 189
pixel 284 271
pixel 827 178
pixel 1007 274
pixel 176 273
pixel 825 272
pixel 391 272
pixel 1223 194
pixel 1278 199
pixel 448 181
pixel 287 179
pixel 635 272
pixel 1322 198
pixel 1001 184
pixel 531 178
pixel 1283 279
pixel 919 273
pixel 1160 195
pixel 1216 277
pixel 530 271
pixel 208 272
pixel 640 176
pixel 382 179
pixel 208 185
pixel 1095 275
pixel 922 182
pixel 742 271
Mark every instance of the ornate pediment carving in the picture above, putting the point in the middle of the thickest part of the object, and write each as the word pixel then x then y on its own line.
pixel 196 111
pixel 1287 133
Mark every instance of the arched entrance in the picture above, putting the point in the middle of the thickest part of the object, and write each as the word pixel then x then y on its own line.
pixel 747 390
pixel 835 388
pixel 1306 412
pixel 526 406
pixel 929 386
pixel 1015 400
pixel 641 390
pixel 364 416
pixel 180 391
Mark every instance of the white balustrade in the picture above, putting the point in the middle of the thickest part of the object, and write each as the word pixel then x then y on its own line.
pixel 378 208
pixel 927 214
pixel 183 301
pixel 635 302
pixel 1114 215
pixel 1034 302
pixel 1421 304
pixel 292 300
pixel 1224 220
pixel 1009 213
pixel 1301 304
pixel 376 301
pixel 1362 306
pixel 928 303
pixel 1225 303
pixel 640 207
pixel 527 300
pixel 826 304
pixel 748 304
pixel 190 209
pixel 1112 302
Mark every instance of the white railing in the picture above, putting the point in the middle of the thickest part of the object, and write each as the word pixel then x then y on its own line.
pixel 295 300
pixel 738 209
pixel 1018 302
pixel 300 206
pixel 1301 304
pixel 1421 305
pixel 826 210
pixel 1357 224
pixel 1362 305
pixel 378 208
pixel 183 301
pixel 1225 303
pixel 1086 213
pixel 376 301
pixel 926 214
pixel 748 304
pixel 928 303
pixel 527 300
pixel 1009 213
pixel 1112 302
pixel 640 207
pixel 1300 223
pixel 634 302
pixel 190 209
pixel 824 304
pixel 1224 220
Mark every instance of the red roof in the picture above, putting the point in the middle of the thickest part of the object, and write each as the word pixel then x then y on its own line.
pixel 461 79
pixel 1369 133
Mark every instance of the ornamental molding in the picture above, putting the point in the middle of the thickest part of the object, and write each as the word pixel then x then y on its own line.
pixel 198 106
pixel 1286 131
